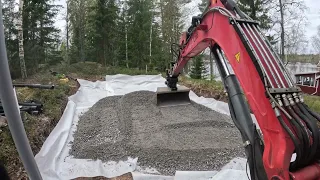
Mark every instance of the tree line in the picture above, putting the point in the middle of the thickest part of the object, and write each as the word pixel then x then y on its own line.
pixel 126 33
pixel 40 36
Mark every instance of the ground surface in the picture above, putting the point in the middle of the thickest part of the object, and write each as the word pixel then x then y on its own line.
pixel 189 137
pixel 39 127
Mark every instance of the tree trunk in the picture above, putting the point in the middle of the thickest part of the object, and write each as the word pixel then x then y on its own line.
pixel 127 60
pixel 253 9
pixel 67 48
pixel 150 45
pixel 282 30
pixel 20 38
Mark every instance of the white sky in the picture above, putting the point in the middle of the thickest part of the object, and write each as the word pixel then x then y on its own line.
pixel 313 15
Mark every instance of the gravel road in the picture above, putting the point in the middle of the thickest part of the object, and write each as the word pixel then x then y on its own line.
pixel 186 138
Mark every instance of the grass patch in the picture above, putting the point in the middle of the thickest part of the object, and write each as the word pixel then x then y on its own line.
pixel 205 88
pixel 87 69
pixel 207 84
pixel 37 127
pixel 313 102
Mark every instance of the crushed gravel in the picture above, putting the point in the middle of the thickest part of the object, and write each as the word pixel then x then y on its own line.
pixel 185 138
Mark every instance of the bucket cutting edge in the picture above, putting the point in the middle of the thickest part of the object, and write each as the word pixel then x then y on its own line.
pixel 167 97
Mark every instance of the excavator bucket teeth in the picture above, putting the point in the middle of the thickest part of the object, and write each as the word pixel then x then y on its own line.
pixel 168 97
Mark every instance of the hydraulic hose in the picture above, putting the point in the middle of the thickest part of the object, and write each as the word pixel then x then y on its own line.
pixel 306 112
pixel 315 133
pixel 305 138
pixel 316 115
pixel 302 126
pixel 240 113
pixel 301 145
pixel 294 165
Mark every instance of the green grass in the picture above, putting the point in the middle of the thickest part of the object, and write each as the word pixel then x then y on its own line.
pixel 313 102
pixel 37 127
pixel 95 69
pixel 206 84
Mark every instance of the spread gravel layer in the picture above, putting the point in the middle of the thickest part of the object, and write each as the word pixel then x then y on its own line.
pixel 185 138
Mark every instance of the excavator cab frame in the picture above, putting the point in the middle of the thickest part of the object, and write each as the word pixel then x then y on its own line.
pixel 261 81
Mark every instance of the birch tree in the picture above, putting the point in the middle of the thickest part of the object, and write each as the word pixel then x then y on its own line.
pixel 288 15
pixel 20 39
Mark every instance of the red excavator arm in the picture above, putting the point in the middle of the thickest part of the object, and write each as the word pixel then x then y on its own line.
pixel 288 126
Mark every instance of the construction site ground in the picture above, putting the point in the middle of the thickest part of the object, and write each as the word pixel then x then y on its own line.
pixel 186 137
pixel 39 127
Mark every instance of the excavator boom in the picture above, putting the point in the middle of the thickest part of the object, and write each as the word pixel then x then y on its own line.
pixel 261 81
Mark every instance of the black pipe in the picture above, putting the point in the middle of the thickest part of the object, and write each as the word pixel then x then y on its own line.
pixel 27 104
pixel 315 133
pixel 36 86
pixel 31 104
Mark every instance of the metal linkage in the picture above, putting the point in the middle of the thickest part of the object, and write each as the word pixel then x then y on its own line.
pixel 223 62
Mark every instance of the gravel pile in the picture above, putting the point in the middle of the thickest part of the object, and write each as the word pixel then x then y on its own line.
pixel 186 138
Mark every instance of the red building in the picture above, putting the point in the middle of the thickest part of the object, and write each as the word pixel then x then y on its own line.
pixel 309 82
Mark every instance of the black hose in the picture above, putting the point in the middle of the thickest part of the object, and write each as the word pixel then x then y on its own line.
pixel 315 133
pixel 306 112
pixel 250 148
pixel 316 115
pixel 298 132
pixel 302 126
pixel 305 141
pixel 294 165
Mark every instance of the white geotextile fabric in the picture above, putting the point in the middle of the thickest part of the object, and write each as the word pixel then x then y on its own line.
pixel 55 162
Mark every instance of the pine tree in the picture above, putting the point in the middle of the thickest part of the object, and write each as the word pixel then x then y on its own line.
pixel 257 10
pixel 122 36
pixel 139 22
pixel 41 37
pixel 78 10
pixel 11 34
pixel 198 68
pixel 102 32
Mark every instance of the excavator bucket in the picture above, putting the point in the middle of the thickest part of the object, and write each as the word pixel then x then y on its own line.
pixel 167 97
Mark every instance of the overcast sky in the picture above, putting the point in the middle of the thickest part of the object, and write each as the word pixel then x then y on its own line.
pixel 313 15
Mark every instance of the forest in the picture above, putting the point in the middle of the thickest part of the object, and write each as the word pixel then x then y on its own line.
pixel 130 33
